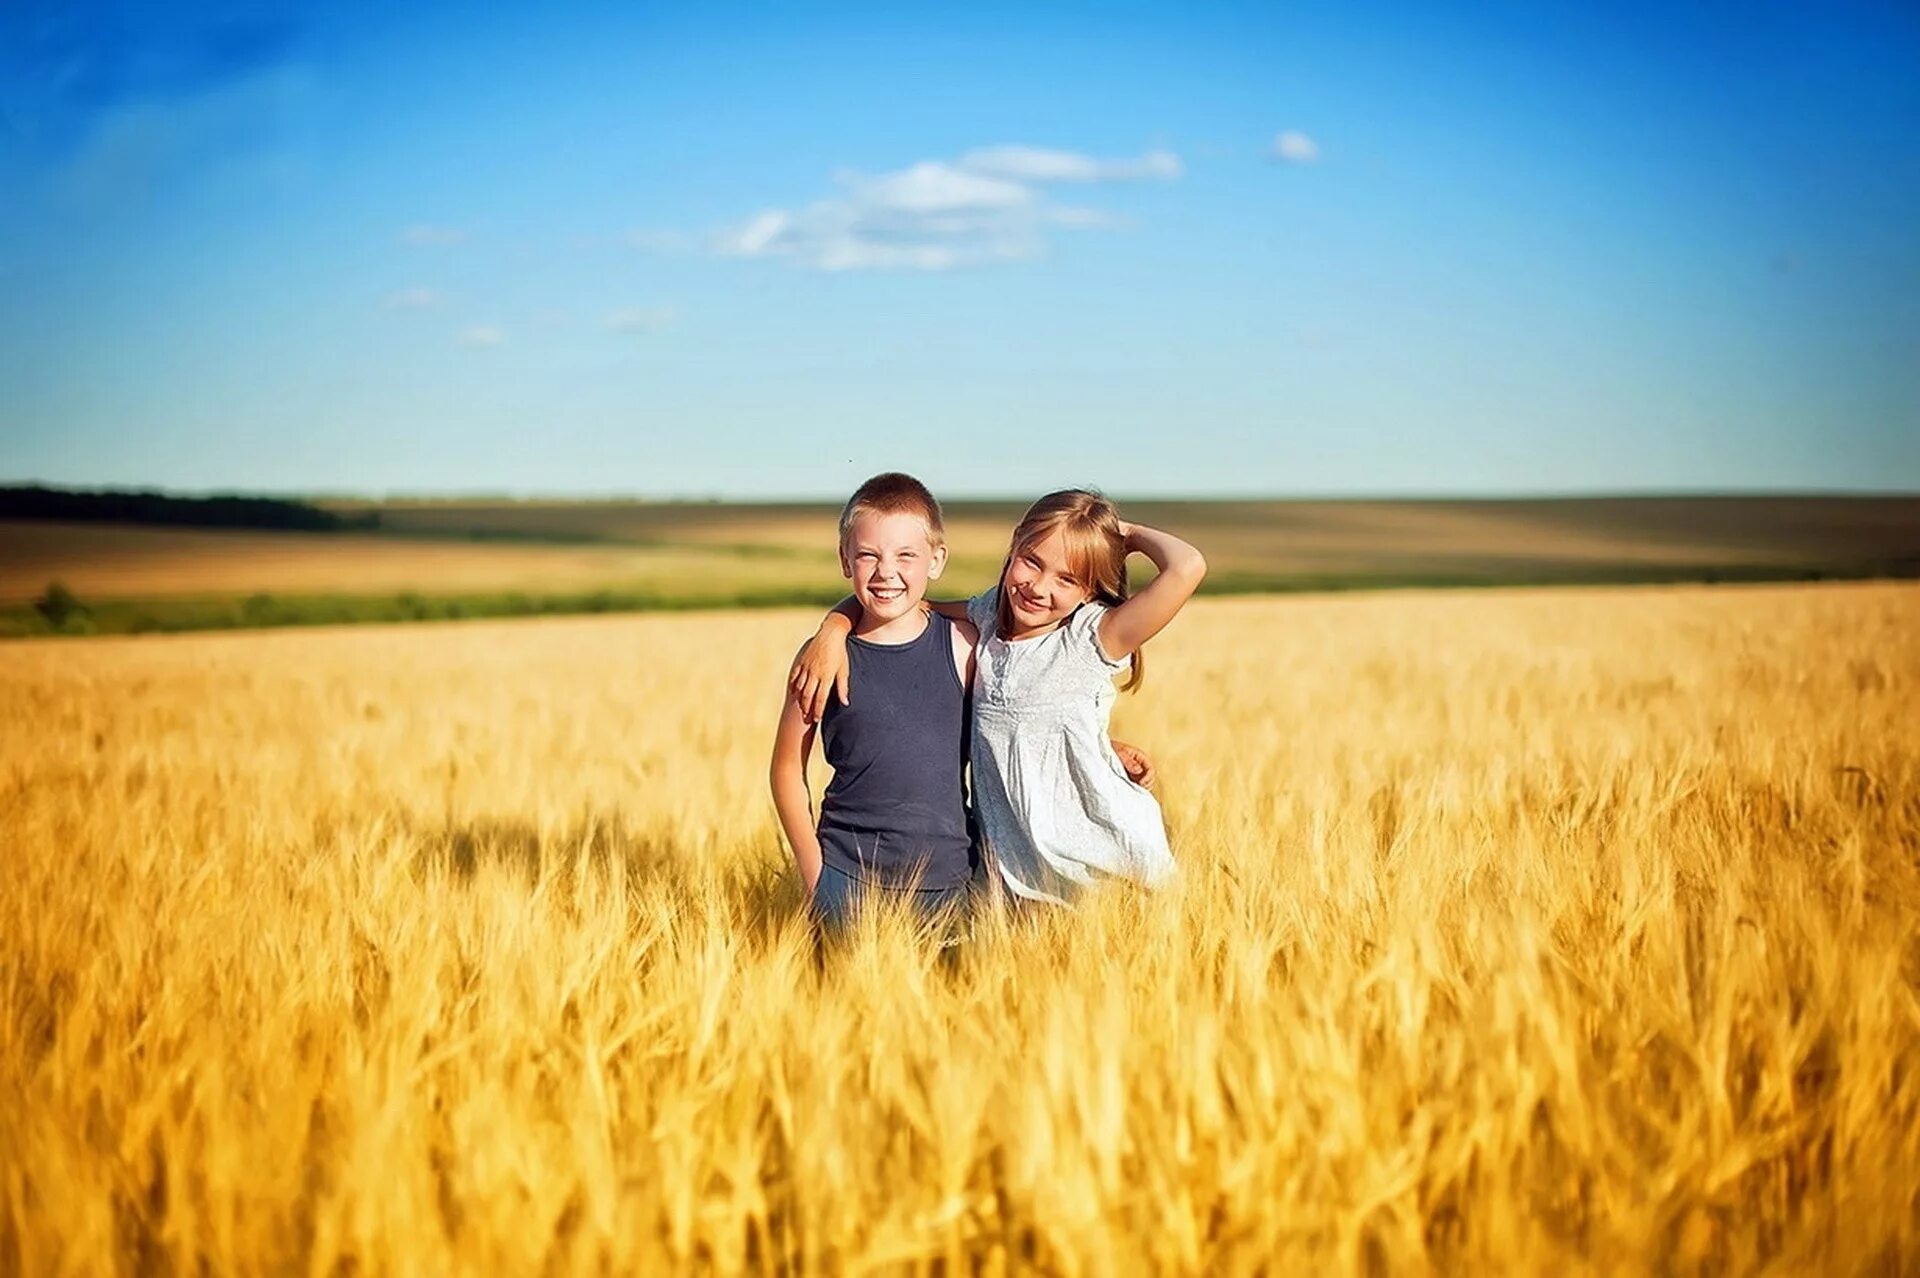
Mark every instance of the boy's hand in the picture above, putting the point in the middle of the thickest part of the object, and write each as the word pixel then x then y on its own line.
pixel 819 670
pixel 1138 765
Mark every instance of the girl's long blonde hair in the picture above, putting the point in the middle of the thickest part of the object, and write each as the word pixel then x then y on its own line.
pixel 1089 527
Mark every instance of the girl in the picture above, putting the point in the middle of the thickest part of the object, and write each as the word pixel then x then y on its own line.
pixel 1053 799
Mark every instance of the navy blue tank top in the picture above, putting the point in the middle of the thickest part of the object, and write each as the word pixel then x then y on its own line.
pixel 895 813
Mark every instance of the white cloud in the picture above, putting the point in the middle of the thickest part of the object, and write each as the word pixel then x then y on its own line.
pixel 931 187
pixel 417 298
pixel 760 235
pixel 425 235
pixel 640 319
pixel 1294 147
pixel 937 215
pixel 481 335
pixel 1038 164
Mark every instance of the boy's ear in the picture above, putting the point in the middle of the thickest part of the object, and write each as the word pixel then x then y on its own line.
pixel 846 566
pixel 936 563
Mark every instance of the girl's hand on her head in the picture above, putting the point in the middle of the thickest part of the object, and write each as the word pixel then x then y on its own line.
pixel 819 670
pixel 1181 569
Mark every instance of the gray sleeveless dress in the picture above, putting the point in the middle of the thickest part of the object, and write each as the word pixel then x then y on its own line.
pixel 1053 800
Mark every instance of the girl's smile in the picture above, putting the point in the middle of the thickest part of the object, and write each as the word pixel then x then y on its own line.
pixel 1042 586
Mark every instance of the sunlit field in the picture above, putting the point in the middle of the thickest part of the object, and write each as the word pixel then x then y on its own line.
pixel 1533 932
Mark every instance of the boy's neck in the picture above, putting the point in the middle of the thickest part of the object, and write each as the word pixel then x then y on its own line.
pixel 902 629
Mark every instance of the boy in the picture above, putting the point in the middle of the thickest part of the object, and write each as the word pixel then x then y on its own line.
pixel 894 819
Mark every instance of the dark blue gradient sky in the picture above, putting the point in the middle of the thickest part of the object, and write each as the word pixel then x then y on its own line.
pixel 1170 249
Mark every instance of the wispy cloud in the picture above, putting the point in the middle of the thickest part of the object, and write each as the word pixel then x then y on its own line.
pixel 987 206
pixel 1294 147
pixel 132 148
pixel 112 109
pixel 1039 164
pixel 417 298
pixel 481 335
pixel 85 58
pixel 639 319
pixel 427 235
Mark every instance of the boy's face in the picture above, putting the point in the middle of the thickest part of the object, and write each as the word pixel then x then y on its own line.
pixel 890 559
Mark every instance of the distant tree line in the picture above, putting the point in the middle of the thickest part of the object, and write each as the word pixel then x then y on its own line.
pixel 36 502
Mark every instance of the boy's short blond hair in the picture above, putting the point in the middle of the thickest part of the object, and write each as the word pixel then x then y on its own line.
pixel 893 494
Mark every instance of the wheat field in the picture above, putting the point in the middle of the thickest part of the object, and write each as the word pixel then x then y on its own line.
pixel 1545 932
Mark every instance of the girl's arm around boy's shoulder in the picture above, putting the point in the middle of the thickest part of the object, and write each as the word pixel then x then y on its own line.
pixel 819 669
pixel 1182 568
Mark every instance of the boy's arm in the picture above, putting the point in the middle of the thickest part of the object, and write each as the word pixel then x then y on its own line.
pixel 787 775
pixel 1140 618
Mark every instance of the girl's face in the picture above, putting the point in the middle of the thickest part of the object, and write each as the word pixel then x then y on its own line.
pixel 1042 587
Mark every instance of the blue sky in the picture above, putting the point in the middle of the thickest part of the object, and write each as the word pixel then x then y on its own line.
pixel 755 251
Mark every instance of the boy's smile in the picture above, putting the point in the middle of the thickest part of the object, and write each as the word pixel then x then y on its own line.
pixel 890 559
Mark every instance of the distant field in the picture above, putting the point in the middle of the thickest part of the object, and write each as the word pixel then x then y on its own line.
pixel 118 561
pixel 471 558
pixel 1494 539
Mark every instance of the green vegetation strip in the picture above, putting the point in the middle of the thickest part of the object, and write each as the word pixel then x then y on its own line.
pixel 144 506
pixel 59 612
pixel 262 611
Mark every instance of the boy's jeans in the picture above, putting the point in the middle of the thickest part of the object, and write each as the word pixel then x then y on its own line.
pixel 837 899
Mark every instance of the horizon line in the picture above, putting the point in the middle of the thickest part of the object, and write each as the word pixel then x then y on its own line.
pixel 452 496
